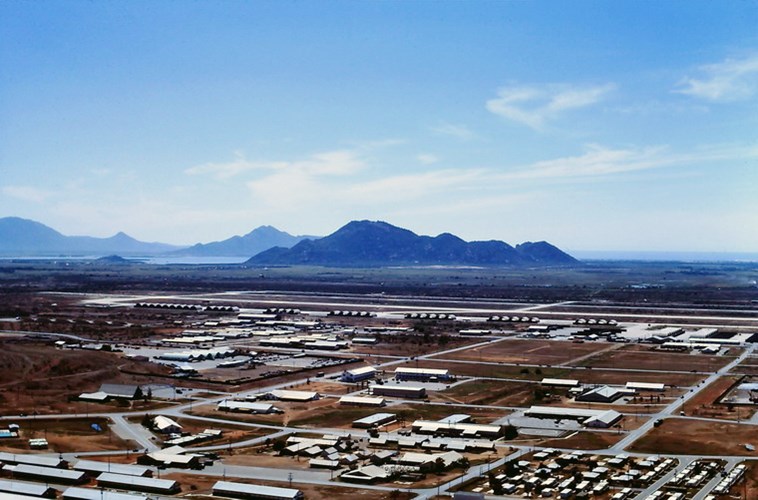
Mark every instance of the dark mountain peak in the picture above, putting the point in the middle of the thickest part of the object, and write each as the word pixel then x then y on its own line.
pixel 258 240
pixel 378 243
pixel 542 251
pixel 112 259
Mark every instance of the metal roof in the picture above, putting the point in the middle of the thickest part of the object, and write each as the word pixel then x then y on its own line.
pixel 361 400
pixel 421 371
pixel 46 472
pixel 22 488
pixel 23 458
pixel 222 487
pixel 136 481
pixel 362 370
pixel 76 493
pixel 560 381
pixel 294 395
pixel 375 418
pixel 95 466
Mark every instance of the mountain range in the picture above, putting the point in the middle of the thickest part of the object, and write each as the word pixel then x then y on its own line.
pixel 357 244
pixel 376 243
pixel 23 237
pixel 254 242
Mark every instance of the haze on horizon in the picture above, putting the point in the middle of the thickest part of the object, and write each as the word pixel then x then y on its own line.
pixel 592 125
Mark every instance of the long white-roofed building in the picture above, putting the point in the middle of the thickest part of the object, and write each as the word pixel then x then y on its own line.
pixel 255 491
pixel 424 374
pixel 137 483
pixel 362 401
pixel 77 493
pixel 359 374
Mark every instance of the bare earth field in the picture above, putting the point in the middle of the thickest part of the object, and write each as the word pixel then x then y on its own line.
pixel 584 441
pixel 694 437
pixel 648 358
pixel 489 392
pixel 541 352
pixel 66 435
pixel 704 403
pixel 37 377
pixel 587 376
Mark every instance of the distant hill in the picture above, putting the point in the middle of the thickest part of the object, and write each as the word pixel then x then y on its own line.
pixel 369 243
pixel 23 237
pixel 254 242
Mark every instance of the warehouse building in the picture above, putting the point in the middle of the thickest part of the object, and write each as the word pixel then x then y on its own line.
pixel 602 394
pixel 423 374
pixel 590 418
pixel 247 407
pixel 46 474
pixel 375 420
pixel 559 382
pixel 30 489
pixel 171 457
pixel 40 460
pixel 255 491
pixel 645 386
pixel 399 391
pixel 457 429
pixel 362 401
pixel 299 396
pixel 136 483
pixel 358 374
pixel 93 468
pixel 77 493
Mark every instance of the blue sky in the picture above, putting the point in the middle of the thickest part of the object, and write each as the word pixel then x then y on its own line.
pixel 593 125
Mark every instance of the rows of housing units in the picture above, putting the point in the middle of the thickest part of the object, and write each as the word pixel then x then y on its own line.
pixel 27 477
pixel 407 458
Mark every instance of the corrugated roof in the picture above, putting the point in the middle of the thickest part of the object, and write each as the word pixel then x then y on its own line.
pixel 95 466
pixel 76 493
pixel 23 488
pixel 46 472
pixel 269 491
pixel 137 481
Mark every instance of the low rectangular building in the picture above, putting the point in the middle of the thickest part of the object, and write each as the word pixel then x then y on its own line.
pixel 424 374
pixel 559 382
pixel 359 374
pixel 255 491
pixel 590 418
pixel 22 488
pixel 399 391
pixel 375 420
pixel 30 459
pixel 602 394
pixel 301 396
pixel 136 483
pixel 93 467
pixel 362 401
pixel 247 407
pixel 77 493
pixel 645 386
pixel 457 429
pixel 46 474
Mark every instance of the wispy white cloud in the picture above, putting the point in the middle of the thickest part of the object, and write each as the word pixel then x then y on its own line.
pixel 427 158
pixel 727 81
pixel 458 131
pixel 340 162
pixel 26 193
pixel 534 106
